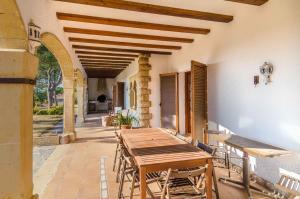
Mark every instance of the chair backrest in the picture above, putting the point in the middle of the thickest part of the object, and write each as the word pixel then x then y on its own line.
pixel 171 131
pixel 187 173
pixel 289 185
pixel 186 139
pixel 206 148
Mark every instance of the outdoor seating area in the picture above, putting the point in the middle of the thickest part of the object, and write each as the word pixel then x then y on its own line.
pixel 136 99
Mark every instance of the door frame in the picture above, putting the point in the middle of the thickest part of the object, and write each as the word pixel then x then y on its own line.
pixel 193 133
pixel 187 108
pixel 175 74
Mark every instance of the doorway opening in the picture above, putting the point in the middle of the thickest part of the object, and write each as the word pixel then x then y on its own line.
pixel 169 101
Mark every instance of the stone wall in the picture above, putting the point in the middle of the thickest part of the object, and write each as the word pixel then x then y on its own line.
pixel 143 91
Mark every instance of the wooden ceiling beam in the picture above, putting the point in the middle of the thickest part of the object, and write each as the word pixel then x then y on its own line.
pixel 105 62
pixel 102 72
pixel 127 35
pixel 103 66
pixel 105 53
pixel 131 24
pixel 104 58
pixel 251 2
pixel 99 67
pixel 120 50
pixel 155 9
pixel 119 43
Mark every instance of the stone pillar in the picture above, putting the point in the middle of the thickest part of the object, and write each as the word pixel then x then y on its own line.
pixel 80 103
pixel 69 131
pixel 85 99
pixel 16 123
pixel 143 91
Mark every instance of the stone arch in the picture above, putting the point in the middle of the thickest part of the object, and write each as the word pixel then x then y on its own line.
pixel 60 52
pixel 54 45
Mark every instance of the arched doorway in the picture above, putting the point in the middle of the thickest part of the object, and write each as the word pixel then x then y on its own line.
pixel 61 54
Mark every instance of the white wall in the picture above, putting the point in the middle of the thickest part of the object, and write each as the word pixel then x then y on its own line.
pixel 93 92
pixel 233 53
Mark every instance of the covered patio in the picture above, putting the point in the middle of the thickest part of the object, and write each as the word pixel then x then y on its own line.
pixel 221 74
pixel 67 176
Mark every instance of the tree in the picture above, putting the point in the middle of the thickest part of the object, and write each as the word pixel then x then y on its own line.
pixel 49 75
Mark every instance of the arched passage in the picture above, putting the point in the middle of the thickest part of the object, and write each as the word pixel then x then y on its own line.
pixel 64 59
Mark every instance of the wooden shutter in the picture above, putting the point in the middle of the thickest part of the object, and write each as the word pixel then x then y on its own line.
pixel 120 94
pixel 199 100
pixel 114 96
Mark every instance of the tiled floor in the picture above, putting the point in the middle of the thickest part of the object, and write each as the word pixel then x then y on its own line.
pixel 79 171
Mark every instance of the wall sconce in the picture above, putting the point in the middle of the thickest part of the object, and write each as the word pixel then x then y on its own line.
pixel 267 70
pixel 34 38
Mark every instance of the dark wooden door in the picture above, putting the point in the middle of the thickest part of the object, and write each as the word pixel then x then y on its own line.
pixel 188 102
pixel 120 94
pixel 199 100
pixel 169 101
pixel 114 99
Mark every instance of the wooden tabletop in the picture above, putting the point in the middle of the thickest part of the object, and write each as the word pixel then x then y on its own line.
pixel 154 149
pixel 151 146
pixel 252 147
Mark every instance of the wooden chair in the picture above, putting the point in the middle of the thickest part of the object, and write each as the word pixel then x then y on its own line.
pixel 129 169
pixel 171 131
pixel 186 139
pixel 180 184
pixel 223 152
pixel 288 187
pixel 212 152
pixel 118 149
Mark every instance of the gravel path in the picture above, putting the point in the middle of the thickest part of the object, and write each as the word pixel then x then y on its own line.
pixel 40 154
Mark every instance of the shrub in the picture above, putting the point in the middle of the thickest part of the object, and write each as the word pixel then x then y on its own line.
pixel 42 112
pixel 56 110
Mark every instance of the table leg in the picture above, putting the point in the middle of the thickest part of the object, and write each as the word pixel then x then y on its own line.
pixel 143 182
pixel 208 180
pixel 246 173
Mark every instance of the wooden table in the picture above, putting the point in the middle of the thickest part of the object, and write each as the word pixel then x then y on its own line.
pixel 249 147
pixel 156 150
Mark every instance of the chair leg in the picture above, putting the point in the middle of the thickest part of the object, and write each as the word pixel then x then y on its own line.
pixel 215 184
pixel 228 164
pixel 122 180
pixel 116 155
pixel 133 184
pixel 119 167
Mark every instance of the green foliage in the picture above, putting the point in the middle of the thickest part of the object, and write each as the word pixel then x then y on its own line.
pixel 49 76
pixel 59 90
pixel 127 119
pixel 56 110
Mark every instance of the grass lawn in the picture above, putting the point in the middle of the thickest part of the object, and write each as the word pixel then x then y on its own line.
pixel 44 124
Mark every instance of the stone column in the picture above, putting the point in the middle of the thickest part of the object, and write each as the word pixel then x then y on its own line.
pixel 85 99
pixel 80 103
pixel 143 90
pixel 16 123
pixel 69 131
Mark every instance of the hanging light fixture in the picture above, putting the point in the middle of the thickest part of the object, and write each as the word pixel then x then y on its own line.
pixel 34 37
